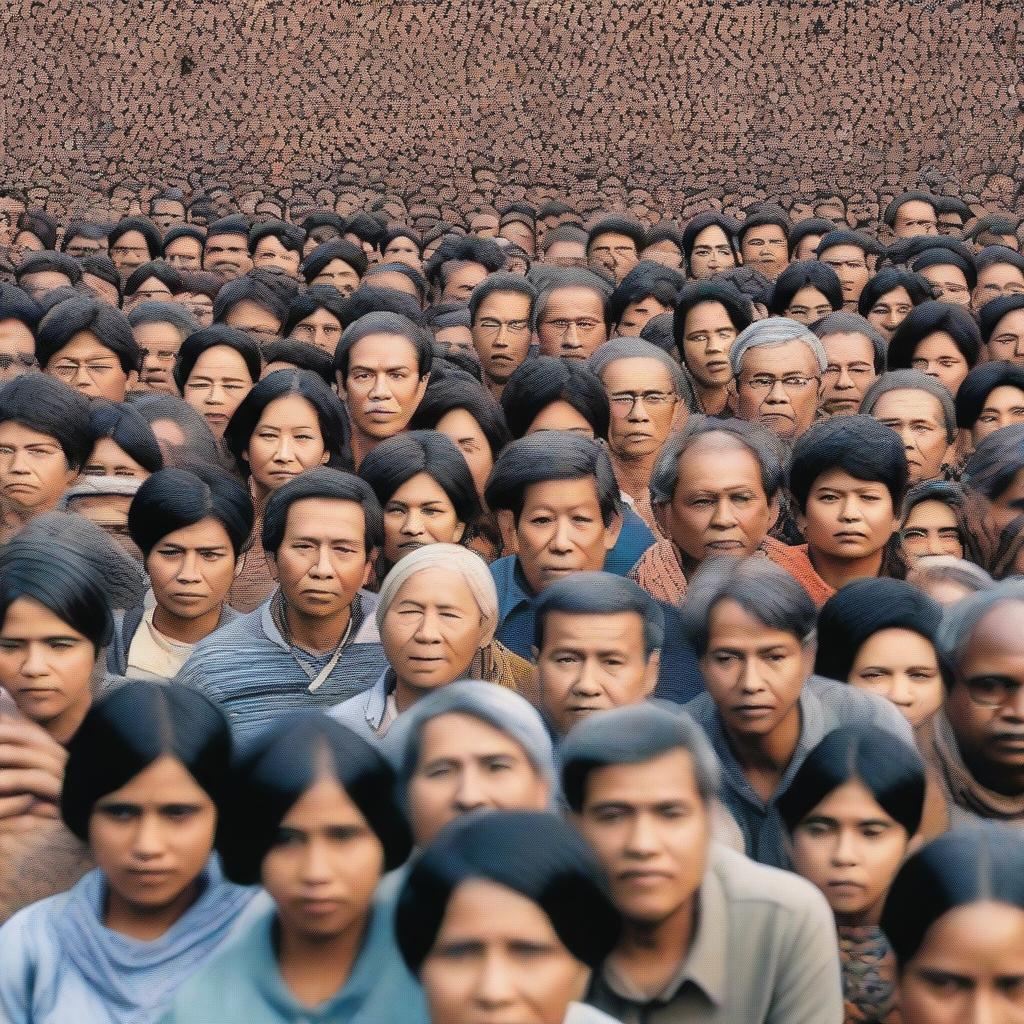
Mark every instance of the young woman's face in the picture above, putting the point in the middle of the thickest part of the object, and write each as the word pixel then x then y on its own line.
pixel 216 386
pixel 417 514
pixel 192 569
pixel 152 838
pixel 851 849
pixel 464 431
pixel 286 442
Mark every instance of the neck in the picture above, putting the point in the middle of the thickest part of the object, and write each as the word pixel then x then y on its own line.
pixel 316 968
pixel 867 918
pixel 640 466
pixel 649 953
pixel 318 635
pixel 771 752
pixel 837 572
pixel 406 694
pixel 66 724
pixel 496 387
pixel 713 399
pixel 362 444
pixel 186 631
pixel 996 777
pixel 147 924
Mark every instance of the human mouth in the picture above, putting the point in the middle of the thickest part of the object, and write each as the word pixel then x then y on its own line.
pixel 724 545
pixel 319 907
pixel 849 535
pixel 150 876
pixel 755 711
pixel 839 887
pixel 639 876
pixel 187 598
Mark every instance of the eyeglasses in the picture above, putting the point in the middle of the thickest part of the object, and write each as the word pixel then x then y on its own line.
pixel 492 328
pixel 21 359
pixel 70 368
pixel 790 382
pixel 992 691
pixel 128 250
pixel 626 401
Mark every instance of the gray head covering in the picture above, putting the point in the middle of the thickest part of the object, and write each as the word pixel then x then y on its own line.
pixel 101 486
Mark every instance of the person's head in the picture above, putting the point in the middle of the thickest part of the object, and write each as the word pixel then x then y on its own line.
pixel 320 531
pixel 939 340
pixel 920 409
pixel 159 329
pixel 565 246
pixel 564 502
pixel 155 281
pixel 1000 272
pixel 709 245
pixel 954 917
pixel 167 208
pixel 933 521
pixel 640 782
pixel 994 474
pixel 950 272
pixel 879 635
pixel 399 277
pixel 459 264
pixel 226 247
pixel 547 394
pixel 501 313
pixel 183 247
pixel 256 306
pixel 290 422
pixel 569 314
pixel 313 819
pixel 55 622
pixel 124 443
pixel 805 235
pixel 19 316
pixel 910 214
pixel 291 354
pixel 83 238
pixel 90 346
pixel 647 290
pixel 182 432
pixel 315 317
pixel 708 318
pixel 953 214
pixel 451 325
pixel 40 273
pixel 851 255
pixel 664 244
pixel 132 242
pixel 144 785
pixel 764 242
pixel 778 365
pixel 1001 323
pixel 856 356
pixel 890 296
pixel 214 370
pixel 991 397
pixel 614 244
pixel 851 811
pixel 401 245
pixel 597 645
pixel 200 290
pixel 490 886
pixel 277 245
pixel 993 230
pixel 806 292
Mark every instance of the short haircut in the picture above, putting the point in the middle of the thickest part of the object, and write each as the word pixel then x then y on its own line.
pixel 993 254
pixel 501 282
pixel 636 348
pixel 319 296
pixel 888 279
pixel 163 272
pixel 961 620
pixel 197 234
pixel 200 443
pixel 971 864
pixel 633 735
pixel 665 232
pixel 555 278
pixel 808 226
pixel 618 225
pixel 329 484
pixel 551 455
pixel 889 768
pixel 443 315
pixel 659 332
pixel 129 430
pixel 842 237
pixel 396 232
pixel 647 278
pixel 563 233
pixel 992 466
pixel 109 326
pixel 233 224
pixel 450 391
pixel 144 226
pixel 164 313
pixel 201 282
pixel 250 289
pixel 770 333
pixel 83 229
pixel 40 224
pixel 130 729
pixel 993 312
pixel 364 226
pixel 16 305
pixel 418 281
pixel 284 763
pixel 57 262
pixel 850 323
pixel 702 222
pixel 979 383
pixel 291 236
pixel 858 445
pixel 539 382
pixel 805 274
pixel 889 216
pixel 762 219
pixel 926 319
pixel 392 324
pixel 945 257
pixel 462 249
pixel 44 404
pixel 301 355
pixel 602 593
pixel 911 380
pixel 736 305
pixel 174 499
pixel 210 337
pixel 327 252
pixel 535 854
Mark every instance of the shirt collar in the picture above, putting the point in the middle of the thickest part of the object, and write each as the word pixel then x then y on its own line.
pixel 510 582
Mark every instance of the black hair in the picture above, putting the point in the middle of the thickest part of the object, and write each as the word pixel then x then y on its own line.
pixel 666 231
pixel 660 332
pixel 398 232
pixel 16 305
pixel 448 358
pixel 393 324
pixel 926 319
pixel 552 455
pixel 417 279
pixel 804 274
pixel 841 322
pixel 889 279
pixel 40 224
pixel 945 257
pixel 321 219
pixel 535 854
pixel 993 254
pixel 233 224
pixel 539 382
pixel 290 236
pixel 301 355
pixel 451 391
pixel 808 226
pixel 992 466
pixel 210 337
pixel 841 236
pixel 443 315
pixel 736 305
pixel 284 763
pixel 618 225
pixel 979 383
pixel 334 249
pixel 319 296
pixel 185 231
pixel 889 216
pixel 200 443
pixel 703 221
pixel 858 445
pixel 889 768
pixel 461 249
pixel 110 327
pixel 44 404
pixel 129 430
pixel 202 282
pixel 163 272
pixel 332 484
pixel 992 312
pixel 330 413
pixel 501 282
pixel 647 278
pixel 367 299
pixel 763 218
pixel 251 289
pixel 144 226
pixel 134 726
pixel 365 227
pixel 58 262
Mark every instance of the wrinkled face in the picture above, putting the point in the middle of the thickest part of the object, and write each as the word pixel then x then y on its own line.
pixel 766 250
pixel 778 386
pixel 1007 339
pixel 931 529
pixel 497 957
pixel 995 281
pixel 938 356
pixel 257 321
pixel 649 826
pixel 152 838
pixel 129 251
pixel 34 471
pixel 286 442
pixel 643 400
pixel 184 253
pixel 808 306
pixel 560 531
pixel 227 255
pixel 17 349
pixel 216 386
pixel 968 968
pixel 1002 407
pixel 383 385
pixel 461 280
pixel 464 765
pixel 919 419
pixel 461 428
pixel 501 333
pixel 417 514
pixel 712 252
pixel 890 310
pixel 851 266
pixel 324 867
pixel 590 663
pixel 851 849
pixel 949 283
pixel 613 253
pixel 109 459
pixel 572 325
pixel 320 329
pixel 89 366
pixel 915 217
pixel 192 569
pixel 849 373
pixel 708 336
pixel 160 343
pixel 901 666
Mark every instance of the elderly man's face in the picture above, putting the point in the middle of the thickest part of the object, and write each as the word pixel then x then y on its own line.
pixel 643 400
pixel 572 325
pixel 778 386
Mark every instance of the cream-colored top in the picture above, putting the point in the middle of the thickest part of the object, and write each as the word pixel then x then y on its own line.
pixel 154 656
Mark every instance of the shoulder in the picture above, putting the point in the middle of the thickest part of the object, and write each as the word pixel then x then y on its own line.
pixel 850 706
pixel 745 881
pixel 31 930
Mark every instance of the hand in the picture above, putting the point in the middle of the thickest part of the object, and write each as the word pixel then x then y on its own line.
pixel 31 771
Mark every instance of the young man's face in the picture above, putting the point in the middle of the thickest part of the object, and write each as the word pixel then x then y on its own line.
pixel 849 373
pixel 915 217
pixel 708 336
pixel 996 281
pixel 502 334
pixel 227 255
pixel 766 250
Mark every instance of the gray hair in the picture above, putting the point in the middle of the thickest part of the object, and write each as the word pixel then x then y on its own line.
pixel 911 380
pixel 851 323
pixel 554 278
pixel 164 313
pixel 960 620
pixel 770 333
pixel 637 348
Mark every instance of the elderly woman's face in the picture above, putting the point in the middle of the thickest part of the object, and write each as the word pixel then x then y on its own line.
pixel 417 514
pixel 433 628
pixel 478 953
pixel 466 764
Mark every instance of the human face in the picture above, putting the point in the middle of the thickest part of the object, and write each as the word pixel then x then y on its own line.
pixel 901 666
pixel 808 306
pixel 915 217
pixel 850 372
pixel 995 281
pixel 643 402
pixel 109 459
pixel 192 569
pixel 572 325
pixel 649 826
pixel 766 250
pixel 1007 340
pixel 1003 406
pixel 216 386
pixel 591 663
pixel 665 252
pixel 851 849
pixel 322 561
pixel 394 281
pixel 184 253
pixel 403 250
pixel 383 386
pixel 227 255
pixel 152 289
pixel 166 213
pixel 712 251
pixel 519 234
pixel 484 225
pixel 931 529
pixel 461 281
pixel 285 442
pixel 339 274
pixel 92 368
pixel 566 254
pixel 34 471
pixel 501 333
pixel 272 255
pixel 937 356
pixel 851 266
pixel 199 305
pixel 324 867
pixel 417 514
pixel 778 386
pixel 129 251
pixel 708 336
pixel 46 666
pixel 636 315
pixel 466 433
pixel 921 423
pixel 320 329
pixel 560 531
pixel 464 765
pixel 42 282
pixel 949 283
pixel 719 505
pixel 754 673
pixel 17 349
pixel 457 337
pixel 969 969
pixel 498 958
pixel 160 343
pixel 560 415
pixel 256 320
pixel 806 246
pixel 890 310
pixel 613 253
pixel 79 246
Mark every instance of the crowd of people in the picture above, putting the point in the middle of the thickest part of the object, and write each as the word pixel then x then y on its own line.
pixel 540 616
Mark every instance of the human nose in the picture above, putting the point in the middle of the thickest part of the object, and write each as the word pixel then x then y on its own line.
pixel 845 381
pixel 412 524
pixel 469 794
pixel 34 664
pixel 850 510
pixel 494 986
pixel 844 853
pixel 315 866
pixel 323 567
pixel 934 542
pixel 428 629
pixel 638 411
pixel 900 692
pixel 148 841
pixel 724 515
pixel 585 683
pixel 777 394
pixel 285 449
pixel 215 396
pixel 19 461
pixel 379 388
pixel 571 338
pixel 750 677
pixel 561 535
pixel 642 839
pixel 189 566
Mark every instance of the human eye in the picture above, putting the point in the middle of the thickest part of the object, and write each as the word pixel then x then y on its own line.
pixel 211 556
pixel 179 812
pixel 880 310
pixel 118 812
pixel 815 829
pixel 724 657
pixel 287 837
pixel 61 643
pixel 795 381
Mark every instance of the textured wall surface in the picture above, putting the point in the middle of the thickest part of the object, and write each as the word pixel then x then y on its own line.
pixel 676 98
